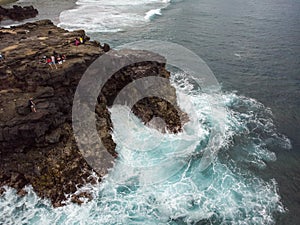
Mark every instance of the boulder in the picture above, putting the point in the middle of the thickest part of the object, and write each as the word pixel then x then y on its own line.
pixel 18 13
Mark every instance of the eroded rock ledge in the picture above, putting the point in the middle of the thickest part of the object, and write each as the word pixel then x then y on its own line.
pixel 39 148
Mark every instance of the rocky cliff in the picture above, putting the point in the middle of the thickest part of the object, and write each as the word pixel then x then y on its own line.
pixel 39 148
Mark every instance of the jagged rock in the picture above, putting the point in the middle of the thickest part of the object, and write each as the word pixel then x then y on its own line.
pixel 39 148
pixel 54 136
pixel 18 13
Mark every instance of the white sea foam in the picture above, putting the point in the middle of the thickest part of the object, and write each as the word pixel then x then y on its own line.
pixel 157 178
pixel 110 16
pixel 151 13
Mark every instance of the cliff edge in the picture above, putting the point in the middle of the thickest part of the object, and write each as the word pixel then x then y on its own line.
pixel 39 148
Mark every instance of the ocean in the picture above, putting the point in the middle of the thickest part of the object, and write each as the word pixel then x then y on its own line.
pixel 253 49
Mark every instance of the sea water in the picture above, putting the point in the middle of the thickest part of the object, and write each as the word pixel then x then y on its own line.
pixel 157 177
pixel 253 49
pixel 111 16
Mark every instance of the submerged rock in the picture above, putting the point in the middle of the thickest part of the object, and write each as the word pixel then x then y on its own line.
pixel 39 148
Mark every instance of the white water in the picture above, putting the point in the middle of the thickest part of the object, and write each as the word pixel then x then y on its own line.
pixel 157 178
pixel 111 16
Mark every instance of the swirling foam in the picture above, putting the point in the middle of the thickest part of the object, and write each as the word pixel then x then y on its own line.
pixel 227 192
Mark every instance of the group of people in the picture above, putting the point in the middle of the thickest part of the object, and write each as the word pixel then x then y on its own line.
pixel 54 59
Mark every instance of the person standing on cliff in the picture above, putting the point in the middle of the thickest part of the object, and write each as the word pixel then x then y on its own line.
pixel 31 104
pixel 53 61
pixel 49 61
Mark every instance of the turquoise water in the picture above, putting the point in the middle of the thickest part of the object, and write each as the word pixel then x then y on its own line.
pixel 253 49
pixel 157 178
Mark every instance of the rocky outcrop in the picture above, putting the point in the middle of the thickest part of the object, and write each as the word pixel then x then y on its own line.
pixel 39 148
pixel 18 13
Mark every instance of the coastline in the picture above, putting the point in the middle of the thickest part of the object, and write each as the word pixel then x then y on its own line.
pixel 38 147
pixel 231 73
pixel 47 10
pixel 43 141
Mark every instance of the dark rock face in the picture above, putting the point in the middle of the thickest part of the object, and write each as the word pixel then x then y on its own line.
pixel 39 148
pixel 148 107
pixel 18 13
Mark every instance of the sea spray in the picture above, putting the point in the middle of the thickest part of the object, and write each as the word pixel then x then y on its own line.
pixel 228 191
pixel 152 13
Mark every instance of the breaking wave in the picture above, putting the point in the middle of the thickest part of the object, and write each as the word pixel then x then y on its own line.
pixel 111 16
pixel 157 178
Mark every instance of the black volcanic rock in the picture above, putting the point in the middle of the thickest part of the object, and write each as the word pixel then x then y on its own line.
pixel 39 148
pixel 18 13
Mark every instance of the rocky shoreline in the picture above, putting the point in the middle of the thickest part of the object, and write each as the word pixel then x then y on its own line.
pixel 39 148
pixel 18 13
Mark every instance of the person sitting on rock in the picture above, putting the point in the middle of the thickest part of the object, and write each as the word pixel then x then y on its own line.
pixel 63 57
pixel 59 59
pixel 81 40
pixel 31 104
pixel 77 42
pixel 49 62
